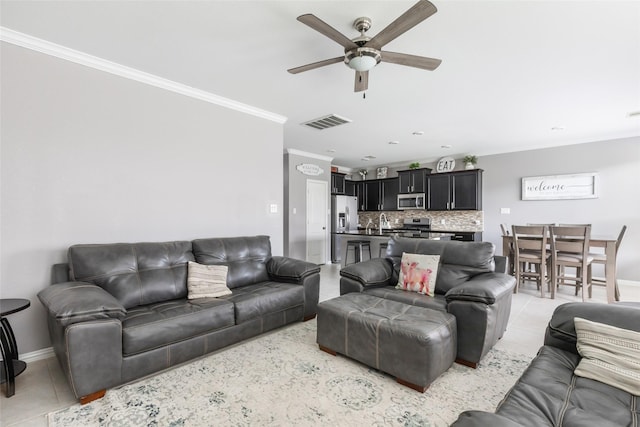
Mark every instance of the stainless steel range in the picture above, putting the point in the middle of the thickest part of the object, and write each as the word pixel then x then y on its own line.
pixel 415 226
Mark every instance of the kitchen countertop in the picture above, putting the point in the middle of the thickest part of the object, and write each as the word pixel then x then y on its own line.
pixel 388 233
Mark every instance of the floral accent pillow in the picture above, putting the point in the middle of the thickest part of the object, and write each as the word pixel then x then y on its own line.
pixel 418 273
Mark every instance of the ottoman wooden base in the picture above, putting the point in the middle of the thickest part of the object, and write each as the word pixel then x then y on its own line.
pixel 414 344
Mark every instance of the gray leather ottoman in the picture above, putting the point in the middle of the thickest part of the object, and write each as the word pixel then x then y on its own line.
pixel 414 344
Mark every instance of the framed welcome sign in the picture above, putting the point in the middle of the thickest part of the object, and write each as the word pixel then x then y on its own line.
pixel 560 187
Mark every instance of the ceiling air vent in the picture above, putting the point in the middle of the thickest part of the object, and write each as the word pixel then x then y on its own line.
pixel 326 122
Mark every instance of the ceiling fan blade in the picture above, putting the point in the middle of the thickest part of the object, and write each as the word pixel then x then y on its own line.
pixel 411 60
pixel 316 65
pixel 326 29
pixel 412 17
pixel 362 81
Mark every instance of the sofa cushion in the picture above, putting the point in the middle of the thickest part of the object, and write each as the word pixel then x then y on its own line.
pixel 246 257
pixel 549 394
pixel 459 261
pixel 207 281
pixel 418 273
pixel 134 273
pixel 610 355
pixel 265 298
pixel 156 325
pixel 411 298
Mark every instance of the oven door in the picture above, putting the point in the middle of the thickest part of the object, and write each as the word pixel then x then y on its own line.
pixel 410 201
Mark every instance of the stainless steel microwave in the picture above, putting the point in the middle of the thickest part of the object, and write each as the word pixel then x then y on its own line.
pixel 411 201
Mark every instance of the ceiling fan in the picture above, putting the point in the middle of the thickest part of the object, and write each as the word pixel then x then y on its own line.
pixel 363 53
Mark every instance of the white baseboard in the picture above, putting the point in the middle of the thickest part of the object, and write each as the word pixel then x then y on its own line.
pixel 32 356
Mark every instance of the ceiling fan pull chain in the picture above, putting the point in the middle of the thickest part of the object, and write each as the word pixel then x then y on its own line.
pixel 364 95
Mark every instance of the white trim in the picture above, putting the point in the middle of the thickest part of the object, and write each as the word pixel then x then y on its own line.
pixel 62 52
pixel 44 353
pixel 310 155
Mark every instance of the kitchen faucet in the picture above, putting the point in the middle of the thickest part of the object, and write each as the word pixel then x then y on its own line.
pixel 381 224
pixel 370 223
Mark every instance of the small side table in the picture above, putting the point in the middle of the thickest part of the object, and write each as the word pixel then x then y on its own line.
pixel 12 367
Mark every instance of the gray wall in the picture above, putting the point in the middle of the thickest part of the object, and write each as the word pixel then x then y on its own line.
pixel 617 163
pixel 295 234
pixel 88 157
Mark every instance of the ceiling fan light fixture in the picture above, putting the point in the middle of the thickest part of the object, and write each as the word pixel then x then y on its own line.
pixel 362 58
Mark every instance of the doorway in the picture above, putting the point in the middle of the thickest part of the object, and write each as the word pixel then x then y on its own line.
pixel 317 214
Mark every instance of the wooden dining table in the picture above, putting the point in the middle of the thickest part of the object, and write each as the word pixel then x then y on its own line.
pixel 595 241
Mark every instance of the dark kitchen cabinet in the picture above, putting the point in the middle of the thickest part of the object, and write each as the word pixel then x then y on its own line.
pixel 381 194
pixel 337 183
pixel 413 181
pixel 455 191
pixel 350 188
pixel 467 236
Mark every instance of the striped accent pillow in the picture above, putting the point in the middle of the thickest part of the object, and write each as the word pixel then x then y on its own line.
pixel 610 355
pixel 207 281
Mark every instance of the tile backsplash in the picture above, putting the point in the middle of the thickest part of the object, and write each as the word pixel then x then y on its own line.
pixel 453 220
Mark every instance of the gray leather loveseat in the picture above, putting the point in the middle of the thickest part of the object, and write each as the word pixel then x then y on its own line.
pixel 117 312
pixel 549 393
pixel 467 286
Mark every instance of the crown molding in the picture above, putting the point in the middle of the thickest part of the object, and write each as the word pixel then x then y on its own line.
pixel 62 52
pixel 310 155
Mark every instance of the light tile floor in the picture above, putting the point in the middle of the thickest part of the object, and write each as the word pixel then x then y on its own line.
pixel 42 388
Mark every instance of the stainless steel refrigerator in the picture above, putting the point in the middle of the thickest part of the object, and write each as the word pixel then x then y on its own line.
pixel 344 218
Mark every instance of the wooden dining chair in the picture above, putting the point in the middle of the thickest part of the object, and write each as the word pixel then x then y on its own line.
pixel 506 231
pixel 530 248
pixel 601 258
pixel 570 248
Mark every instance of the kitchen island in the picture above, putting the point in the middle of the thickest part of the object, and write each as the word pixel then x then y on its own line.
pixel 375 239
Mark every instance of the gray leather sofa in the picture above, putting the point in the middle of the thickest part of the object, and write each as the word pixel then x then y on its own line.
pixel 467 286
pixel 117 312
pixel 549 394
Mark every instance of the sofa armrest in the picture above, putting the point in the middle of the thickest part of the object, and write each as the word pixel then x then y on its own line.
pixel 483 419
pixel 485 288
pixel 75 302
pixel 374 272
pixel 287 269
pixel 561 331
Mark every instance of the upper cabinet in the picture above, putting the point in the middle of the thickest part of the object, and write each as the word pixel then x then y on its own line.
pixel 413 181
pixel 380 195
pixel 337 183
pixel 455 190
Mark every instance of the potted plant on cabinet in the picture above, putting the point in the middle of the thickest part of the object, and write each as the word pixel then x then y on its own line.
pixel 470 161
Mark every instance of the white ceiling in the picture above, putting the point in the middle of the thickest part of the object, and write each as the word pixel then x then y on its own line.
pixel 511 70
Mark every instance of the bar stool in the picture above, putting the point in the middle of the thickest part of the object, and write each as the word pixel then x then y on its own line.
pixel 358 247
pixel 383 250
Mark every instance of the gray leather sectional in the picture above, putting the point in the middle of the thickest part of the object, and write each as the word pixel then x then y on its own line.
pixel 467 286
pixel 549 394
pixel 117 312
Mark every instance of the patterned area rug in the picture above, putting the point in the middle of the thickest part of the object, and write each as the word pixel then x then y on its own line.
pixel 282 379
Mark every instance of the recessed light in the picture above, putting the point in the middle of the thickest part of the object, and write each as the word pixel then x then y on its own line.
pixel 365 159
pixel 394 142
pixel 445 146
pixel 634 114
pixel 558 128
pixel 331 150
pixel 369 157
pixel 418 132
